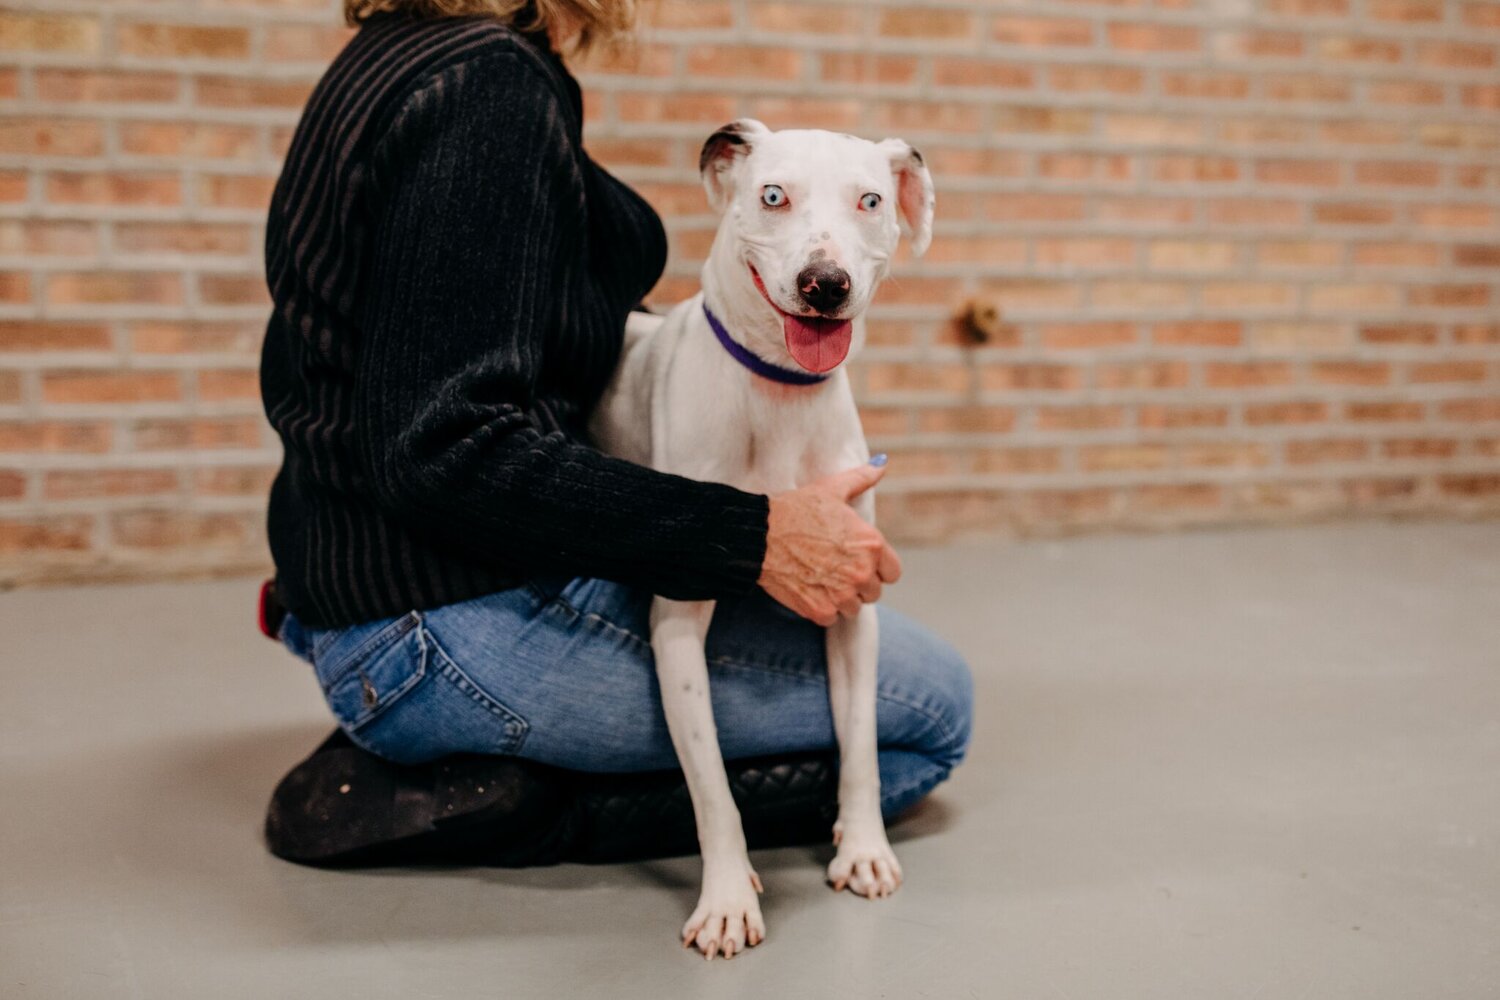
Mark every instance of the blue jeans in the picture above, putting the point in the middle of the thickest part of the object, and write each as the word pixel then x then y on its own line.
pixel 561 672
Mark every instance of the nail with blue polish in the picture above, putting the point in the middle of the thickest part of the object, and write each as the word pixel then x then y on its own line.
pixel 878 460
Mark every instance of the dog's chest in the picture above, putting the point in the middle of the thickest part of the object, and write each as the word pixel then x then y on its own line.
pixel 781 444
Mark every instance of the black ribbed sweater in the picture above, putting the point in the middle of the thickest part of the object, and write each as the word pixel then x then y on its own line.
pixel 451 275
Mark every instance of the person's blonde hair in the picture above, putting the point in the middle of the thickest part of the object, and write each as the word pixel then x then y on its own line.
pixel 595 21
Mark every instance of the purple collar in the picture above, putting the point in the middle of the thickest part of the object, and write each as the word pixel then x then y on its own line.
pixel 758 365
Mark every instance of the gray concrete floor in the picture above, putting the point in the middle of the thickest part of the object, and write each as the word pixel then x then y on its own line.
pixel 1242 764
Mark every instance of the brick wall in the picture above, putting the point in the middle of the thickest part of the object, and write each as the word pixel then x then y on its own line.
pixel 1246 253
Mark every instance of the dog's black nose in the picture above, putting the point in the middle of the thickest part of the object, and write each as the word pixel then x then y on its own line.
pixel 823 285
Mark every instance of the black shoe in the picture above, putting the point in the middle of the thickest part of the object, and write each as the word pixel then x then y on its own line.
pixel 346 807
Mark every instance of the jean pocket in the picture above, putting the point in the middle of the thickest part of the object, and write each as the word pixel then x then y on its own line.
pixel 366 669
pixel 395 690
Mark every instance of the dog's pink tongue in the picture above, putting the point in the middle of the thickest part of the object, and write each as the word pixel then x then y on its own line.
pixel 817 344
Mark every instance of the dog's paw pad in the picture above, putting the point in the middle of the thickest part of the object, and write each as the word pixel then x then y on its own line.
pixel 727 920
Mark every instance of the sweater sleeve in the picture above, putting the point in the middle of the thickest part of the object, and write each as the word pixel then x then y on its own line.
pixel 477 213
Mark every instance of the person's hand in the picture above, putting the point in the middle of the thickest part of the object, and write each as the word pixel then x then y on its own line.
pixel 822 559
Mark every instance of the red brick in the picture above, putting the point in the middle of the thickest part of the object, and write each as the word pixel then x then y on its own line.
pixel 889 377
pixel 316 43
pixel 1017 461
pixel 1200 333
pixel 1360 49
pixel 1453 216
pixel 1153 37
pixel 800 19
pixel 76 485
pixel 1030 378
pixel 1079 418
pixel 1350 372
pixel 688 14
pixel 926 22
pixel 1211 84
pixel 995 74
pixel 1071 77
pixel 1286 412
pixel 1446 371
pixel 1471 410
pixel 1083 252
pixel 1087 336
pixel 182 238
pixel 1170 417
pixel 1406 11
pixel 703 109
pixel 1196 169
pixel 110 387
pixel 1166 499
pixel 1042 32
pixel 1397 254
pixel 216 385
pixel 864 67
pixel 1408 449
pixel 1476 333
pixel 1476 485
pixel 1450 296
pixel 51 137
pixel 1384 412
pixel 114 288
pixel 1397 173
pixel 115 189
pixel 1326 450
pixel 1144 375
pixel 769 63
pixel 1122 458
pixel 67 533
pixel 967 420
pixel 172 139
pixel 250 92
pixel 202 433
pixel 1456 55
pixel 1400 91
pixel 806 112
pixel 1306 87
pixel 1247 374
pixel 29 335
pixel 106 86
pixel 234 481
pixel 1399 333
pixel 1224 455
pixel 1309 172
pixel 1353 213
pixel 22 31
pixel 235 191
pixel 182 41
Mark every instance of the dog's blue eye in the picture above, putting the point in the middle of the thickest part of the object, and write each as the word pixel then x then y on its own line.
pixel 869 202
pixel 773 196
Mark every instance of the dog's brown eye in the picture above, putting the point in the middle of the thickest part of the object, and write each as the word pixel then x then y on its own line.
pixel 869 202
pixel 772 196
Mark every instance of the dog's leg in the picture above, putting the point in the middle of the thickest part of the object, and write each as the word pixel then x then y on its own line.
pixel 727 918
pixel 865 861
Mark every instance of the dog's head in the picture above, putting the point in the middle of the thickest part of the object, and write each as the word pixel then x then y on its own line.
pixel 813 218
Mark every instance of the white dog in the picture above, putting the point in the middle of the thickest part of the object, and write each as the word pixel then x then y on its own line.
pixel 743 384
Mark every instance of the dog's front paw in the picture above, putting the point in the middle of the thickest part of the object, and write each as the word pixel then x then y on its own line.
pixel 865 862
pixel 727 920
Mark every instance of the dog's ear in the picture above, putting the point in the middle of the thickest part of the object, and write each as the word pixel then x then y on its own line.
pixel 721 152
pixel 914 196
